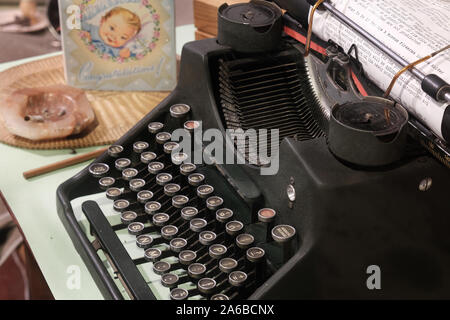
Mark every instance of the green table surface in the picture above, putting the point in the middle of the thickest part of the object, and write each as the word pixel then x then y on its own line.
pixel 33 203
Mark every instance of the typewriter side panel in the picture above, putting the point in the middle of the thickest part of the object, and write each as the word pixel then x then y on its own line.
pixel 349 220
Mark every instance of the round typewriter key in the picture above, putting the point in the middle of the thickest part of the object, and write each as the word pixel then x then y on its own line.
pixel 121 205
pixel 144 241
pixel 197 224
pixel 135 228
pixel 170 146
pixel 144 196
pixel 140 146
pixel 179 110
pixel 187 168
pixel 147 157
pixel 160 219
pixel 171 189
pixel 155 127
pixel 179 201
pixel 152 207
pixel 283 233
pixel 186 257
pixel 113 193
pixel 179 157
pixel 196 270
pixel 191 125
pixel 234 227
pixel 129 173
pixel 98 170
pixel 155 167
pixel 177 244
pixel 214 202
pixel 163 137
pixel 163 178
pixel 115 150
pixel 168 232
pixel 237 278
pixel 137 184
pixel 220 296
pixel 223 215
pixel 122 163
pixel 195 179
pixel 152 254
pixel 207 237
pixel 244 240
pixel 255 254
pixel 206 285
pixel 106 182
pixel 266 215
pixel 188 213
pixel 205 191
pixel 169 280
pixel 179 294
pixel 227 265
pixel 128 216
pixel 217 251
pixel 161 267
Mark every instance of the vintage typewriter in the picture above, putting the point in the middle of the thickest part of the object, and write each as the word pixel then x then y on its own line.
pixel 150 224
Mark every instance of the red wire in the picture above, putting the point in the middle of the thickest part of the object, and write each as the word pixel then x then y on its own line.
pixel 299 37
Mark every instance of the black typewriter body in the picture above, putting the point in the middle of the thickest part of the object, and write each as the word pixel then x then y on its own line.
pixel 346 218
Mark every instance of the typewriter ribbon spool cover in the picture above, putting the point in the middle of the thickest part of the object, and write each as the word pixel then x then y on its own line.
pixel 125 45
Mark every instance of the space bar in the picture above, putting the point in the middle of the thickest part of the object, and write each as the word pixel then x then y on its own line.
pixel 115 249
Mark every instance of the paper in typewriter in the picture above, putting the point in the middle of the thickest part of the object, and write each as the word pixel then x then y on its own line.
pixel 411 28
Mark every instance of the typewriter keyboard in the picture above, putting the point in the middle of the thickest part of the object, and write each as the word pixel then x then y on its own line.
pixel 180 226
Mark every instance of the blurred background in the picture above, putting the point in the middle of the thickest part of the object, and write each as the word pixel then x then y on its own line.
pixel 21 40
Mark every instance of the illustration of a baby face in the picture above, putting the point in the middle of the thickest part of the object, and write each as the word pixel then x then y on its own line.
pixel 115 31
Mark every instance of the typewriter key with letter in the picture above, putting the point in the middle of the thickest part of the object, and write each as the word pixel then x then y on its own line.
pixel 152 207
pixel 206 285
pixel 136 228
pixel 196 270
pixel 113 193
pixel 136 185
pixel 128 216
pixel 144 196
pixel 284 234
pixel 115 150
pixel 178 244
pixel 144 241
pixel 147 157
pixel 160 219
pixel 169 280
pixel 220 296
pixel 187 168
pixel 168 232
pixel 195 179
pixel 106 182
pixel 122 163
pixel 179 294
pixel 161 267
pixel 163 178
pixel 179 201
pixel 155 127
pixel 140 146
pixel 121 205
pixel 187 257
pixel 152 254
pixel 98 170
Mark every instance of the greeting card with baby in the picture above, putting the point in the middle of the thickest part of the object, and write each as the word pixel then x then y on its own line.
pixel 119 44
